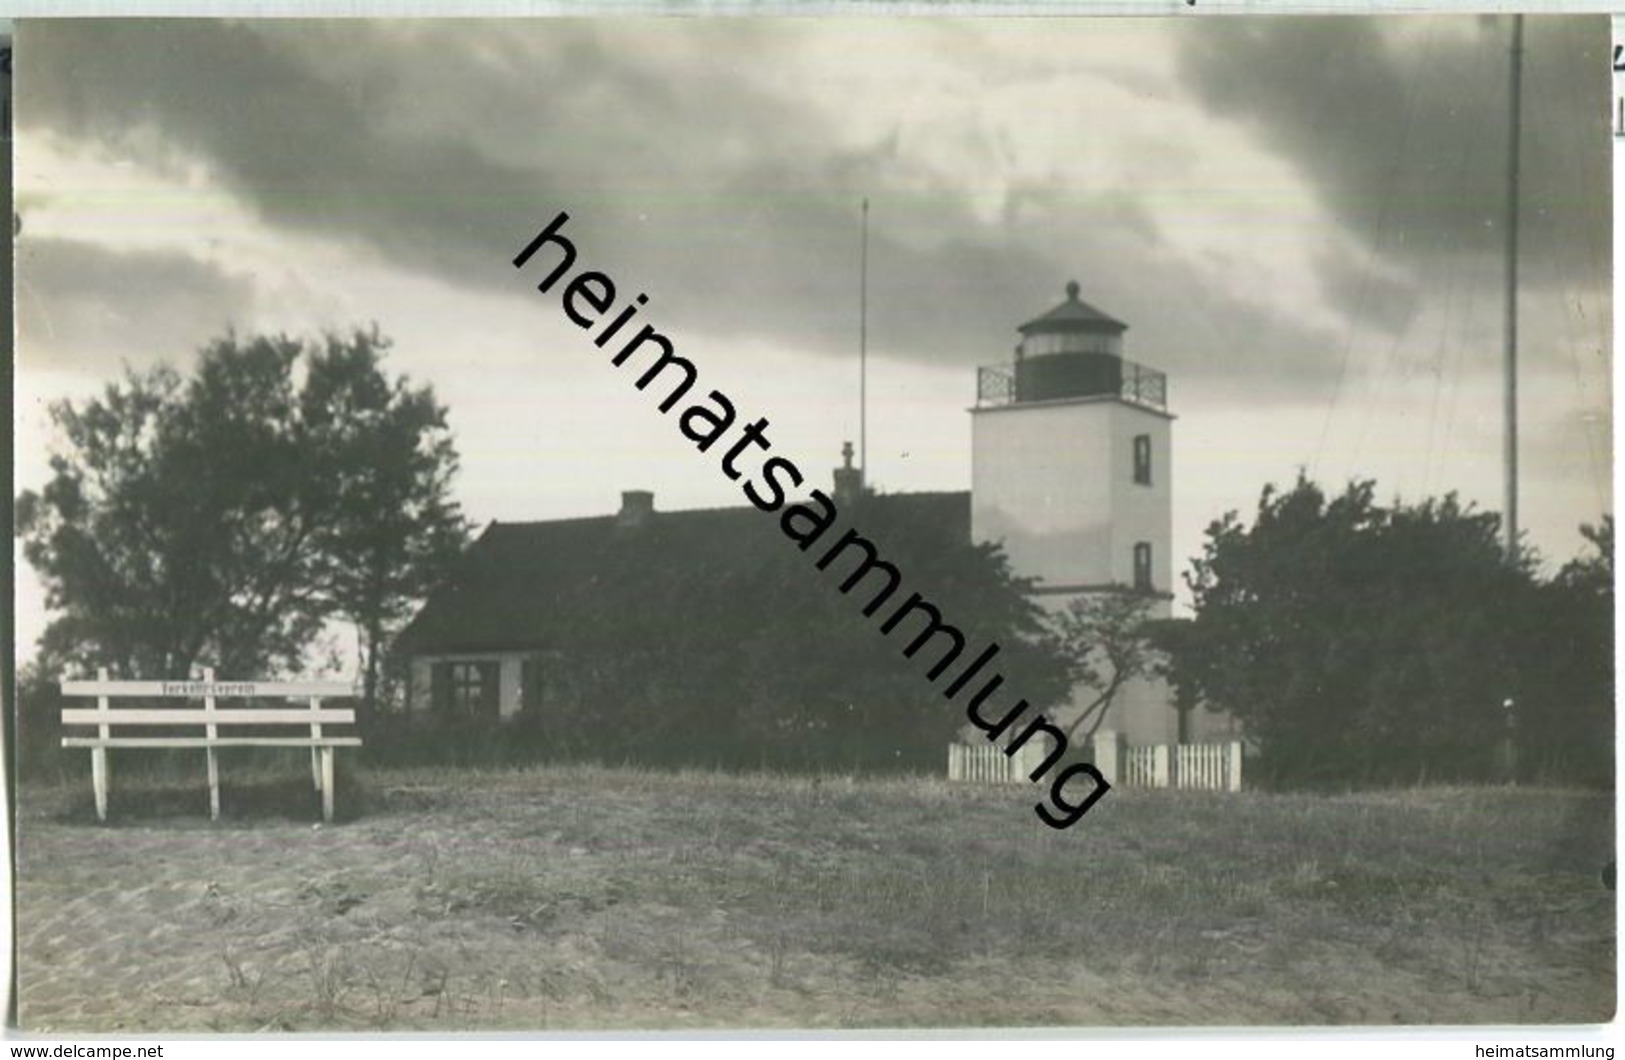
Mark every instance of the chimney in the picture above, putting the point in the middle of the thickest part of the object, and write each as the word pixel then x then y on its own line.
pixel 637 506
pixel 848 479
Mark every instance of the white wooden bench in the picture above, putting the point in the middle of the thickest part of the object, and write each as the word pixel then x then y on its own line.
pixel 304 724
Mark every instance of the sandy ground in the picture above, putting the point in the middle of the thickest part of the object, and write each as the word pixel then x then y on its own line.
pixel 569 899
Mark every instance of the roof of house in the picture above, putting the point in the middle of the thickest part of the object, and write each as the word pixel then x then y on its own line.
pixel 1073 314
pixel 596 581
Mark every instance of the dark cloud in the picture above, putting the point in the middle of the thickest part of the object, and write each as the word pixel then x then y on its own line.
pixel 1404 135
pixel 78 303
pixel 1362 293
pixel 299 148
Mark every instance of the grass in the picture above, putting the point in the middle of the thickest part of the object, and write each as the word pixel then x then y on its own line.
pixel 581 897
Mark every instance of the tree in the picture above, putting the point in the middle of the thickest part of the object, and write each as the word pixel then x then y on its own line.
pixel 382 452
pixel 1592 575
pixel 1564 703
pixel 222 520
pixel 1105 635
pixel 1357 642
pixel 751 656
pixel 34 728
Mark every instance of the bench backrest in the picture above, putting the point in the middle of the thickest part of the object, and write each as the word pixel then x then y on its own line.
pixel 206 713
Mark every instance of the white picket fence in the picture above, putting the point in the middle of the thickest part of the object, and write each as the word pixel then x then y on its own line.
pixel 983 764
pixel 1191 766
pixel 1208 766
pixel 1195 766
pixel 1144 767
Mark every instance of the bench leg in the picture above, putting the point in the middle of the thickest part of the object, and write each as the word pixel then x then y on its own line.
pixel 214 786
pixel 98 780
pixel 327 784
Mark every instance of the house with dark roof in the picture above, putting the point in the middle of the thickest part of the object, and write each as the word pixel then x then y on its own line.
pixel 492 641
pixel 1071 473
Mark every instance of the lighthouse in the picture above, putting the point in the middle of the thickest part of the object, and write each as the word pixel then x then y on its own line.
pixel 1070 472
pixel 1070 458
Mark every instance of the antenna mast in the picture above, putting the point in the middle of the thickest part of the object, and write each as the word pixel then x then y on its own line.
pixel 1511 325
pixel 863 345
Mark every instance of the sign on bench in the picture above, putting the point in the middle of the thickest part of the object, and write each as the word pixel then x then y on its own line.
pixel 303 724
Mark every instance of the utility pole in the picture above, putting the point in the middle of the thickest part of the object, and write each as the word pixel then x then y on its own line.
pixel 1510 435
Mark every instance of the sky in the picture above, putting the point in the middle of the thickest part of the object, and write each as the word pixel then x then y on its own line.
pixel 1300 219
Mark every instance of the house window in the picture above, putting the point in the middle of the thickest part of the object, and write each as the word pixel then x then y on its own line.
pixel 1142 565
pixel 467 689
pixel 1142 459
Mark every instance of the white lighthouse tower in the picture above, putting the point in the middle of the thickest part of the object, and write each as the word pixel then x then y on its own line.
pixel 1070 470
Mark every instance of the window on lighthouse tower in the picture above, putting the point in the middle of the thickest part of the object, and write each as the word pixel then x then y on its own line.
pixel 1142 565
pixel 1142 459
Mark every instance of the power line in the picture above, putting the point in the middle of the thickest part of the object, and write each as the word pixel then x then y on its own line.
pixel 1363 297
pixel 1452 359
